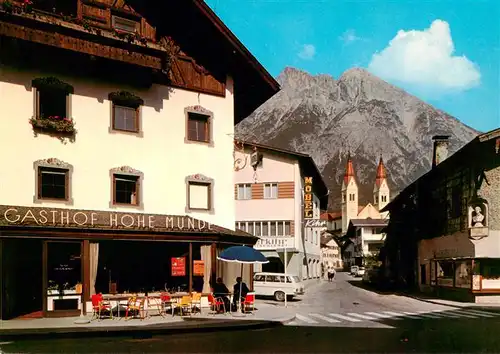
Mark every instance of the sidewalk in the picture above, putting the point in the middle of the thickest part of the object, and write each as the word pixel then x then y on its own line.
pixel 264 316
pixel 450 303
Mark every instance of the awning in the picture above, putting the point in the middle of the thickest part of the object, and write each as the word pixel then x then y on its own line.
pixel 269 254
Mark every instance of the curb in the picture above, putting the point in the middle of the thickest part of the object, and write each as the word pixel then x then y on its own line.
pixel 142 332
pixel 470 305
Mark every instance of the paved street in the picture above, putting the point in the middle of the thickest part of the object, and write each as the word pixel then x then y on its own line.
pixel 337 317
pixel 345 303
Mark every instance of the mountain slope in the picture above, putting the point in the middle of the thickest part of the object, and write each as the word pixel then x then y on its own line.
pixel 358 114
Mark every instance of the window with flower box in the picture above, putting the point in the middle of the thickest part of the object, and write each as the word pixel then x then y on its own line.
pixel 52 106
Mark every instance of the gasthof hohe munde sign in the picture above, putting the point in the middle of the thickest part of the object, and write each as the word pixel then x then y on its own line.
pixel 74 218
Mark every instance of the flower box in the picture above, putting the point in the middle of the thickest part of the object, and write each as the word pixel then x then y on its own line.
pixel 61 125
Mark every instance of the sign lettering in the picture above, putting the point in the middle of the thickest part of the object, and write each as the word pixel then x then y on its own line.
pixel 315 223
pixel 178 266
pixel 198 268
pixel 33 216
pixel 308 204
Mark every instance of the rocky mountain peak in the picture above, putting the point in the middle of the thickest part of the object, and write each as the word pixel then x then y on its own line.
pixel 358 113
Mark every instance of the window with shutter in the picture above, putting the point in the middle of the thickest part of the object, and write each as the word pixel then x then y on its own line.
pixel 53 183
pixel 199 196
pixel 198 127
pixel 125 118
pixel 126 189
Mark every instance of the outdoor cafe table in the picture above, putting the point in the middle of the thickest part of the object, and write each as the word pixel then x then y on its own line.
pixel 156 297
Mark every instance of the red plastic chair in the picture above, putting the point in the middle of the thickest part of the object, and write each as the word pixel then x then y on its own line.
pixel 99 306
pixel 217 305
pixel 248 304
pixel 166 303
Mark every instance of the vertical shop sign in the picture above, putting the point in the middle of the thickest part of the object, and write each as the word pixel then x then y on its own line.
pixel 308 199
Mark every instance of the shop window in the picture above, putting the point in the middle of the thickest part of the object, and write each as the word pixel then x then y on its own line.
pixel 273 228
pixel 64 276
pixel 463 274
pixel 199 125
pixel 126 187
pixel 199 193
pixel 287 228
pixel 445 273
pixel 265 229
pixel 257 229
pixel 53 181
pixel 490 269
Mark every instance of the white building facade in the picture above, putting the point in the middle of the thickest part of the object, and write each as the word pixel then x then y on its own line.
pixel 114 159
pixel 270 205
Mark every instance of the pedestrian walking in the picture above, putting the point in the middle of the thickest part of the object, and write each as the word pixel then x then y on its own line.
pixel 331 274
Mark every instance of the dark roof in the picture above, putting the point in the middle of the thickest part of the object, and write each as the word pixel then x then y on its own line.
pixel 455 158
pixel 368 222
pixel 307 165
pixel 203 35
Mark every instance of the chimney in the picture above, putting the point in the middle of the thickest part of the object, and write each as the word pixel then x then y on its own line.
pixel 440 150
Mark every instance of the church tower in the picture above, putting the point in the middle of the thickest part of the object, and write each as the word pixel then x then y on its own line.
pixel 381 192
pixel 349 196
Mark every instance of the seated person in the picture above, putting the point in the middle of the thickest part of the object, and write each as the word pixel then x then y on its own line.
pixel 236 292
pixel 221 292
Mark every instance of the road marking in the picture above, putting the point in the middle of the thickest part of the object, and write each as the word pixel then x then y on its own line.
pixel 342 317
pixel 444 314
pixel 484 312
pixel 412 315
pixel 361 316
pixel 477 314
pixel 305 319
pixel 431 314
pixel 394 314
pixel 381 315
pixel 462 314
pixel 327 319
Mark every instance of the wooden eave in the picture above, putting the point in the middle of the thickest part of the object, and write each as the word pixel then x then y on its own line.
pixel 214 46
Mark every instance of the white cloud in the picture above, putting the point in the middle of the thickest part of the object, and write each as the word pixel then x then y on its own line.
pixel 349 36
pixel 307 52
pixel 425 60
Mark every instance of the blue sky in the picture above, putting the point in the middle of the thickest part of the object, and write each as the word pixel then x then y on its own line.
pixel 445 52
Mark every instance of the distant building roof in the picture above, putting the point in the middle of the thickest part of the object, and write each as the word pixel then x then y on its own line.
pixel 368 222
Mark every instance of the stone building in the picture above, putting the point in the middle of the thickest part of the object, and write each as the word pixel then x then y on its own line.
pixel 444 229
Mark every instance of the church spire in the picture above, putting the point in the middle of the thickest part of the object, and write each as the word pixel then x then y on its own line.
pixel 381 174
pixel 349 170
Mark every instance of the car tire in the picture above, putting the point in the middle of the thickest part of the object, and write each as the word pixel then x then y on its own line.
pixel 279 296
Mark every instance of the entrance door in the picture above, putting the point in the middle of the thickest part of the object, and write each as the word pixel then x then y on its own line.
pixel 63 278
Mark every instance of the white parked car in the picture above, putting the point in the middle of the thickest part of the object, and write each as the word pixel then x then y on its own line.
pixel 360 272
pixel 277 285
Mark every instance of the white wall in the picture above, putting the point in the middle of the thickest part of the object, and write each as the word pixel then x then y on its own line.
pixel 161 154
pixel 274 169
